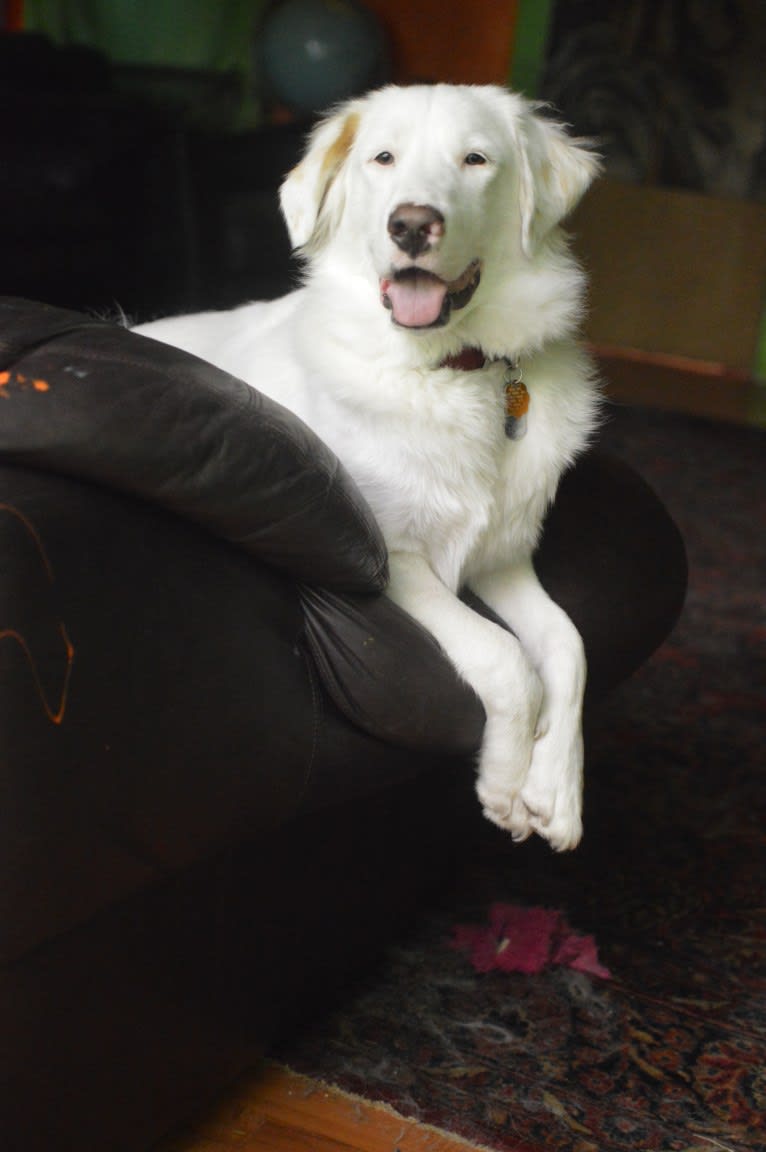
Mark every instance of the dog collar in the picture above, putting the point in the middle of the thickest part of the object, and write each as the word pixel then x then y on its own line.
pixel 466 360
pixel 516 396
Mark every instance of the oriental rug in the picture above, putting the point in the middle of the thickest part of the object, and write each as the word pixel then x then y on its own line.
pixel 669 1053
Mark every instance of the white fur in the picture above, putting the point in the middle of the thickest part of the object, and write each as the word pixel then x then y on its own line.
pixel 458 502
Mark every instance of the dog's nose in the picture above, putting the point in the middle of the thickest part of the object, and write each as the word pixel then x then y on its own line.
pixel 415 227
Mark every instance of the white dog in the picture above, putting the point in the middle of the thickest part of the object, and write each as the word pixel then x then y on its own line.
pixel 436 277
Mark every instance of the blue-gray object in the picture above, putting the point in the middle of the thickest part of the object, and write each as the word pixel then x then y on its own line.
pixel 316 52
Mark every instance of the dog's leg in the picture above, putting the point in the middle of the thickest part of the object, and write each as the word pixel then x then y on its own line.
pixel 552 792
pixel 491 660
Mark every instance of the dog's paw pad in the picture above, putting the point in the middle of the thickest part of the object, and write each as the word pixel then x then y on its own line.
pixel 563 833
pixel 510 814
pixel 540 803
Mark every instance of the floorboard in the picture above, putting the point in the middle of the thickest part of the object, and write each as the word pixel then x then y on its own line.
pixel 275 1110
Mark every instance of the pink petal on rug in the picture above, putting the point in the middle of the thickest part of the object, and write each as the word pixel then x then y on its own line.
pixel 527 940
pixel 525 937
pixel 580 953
pixel 517 939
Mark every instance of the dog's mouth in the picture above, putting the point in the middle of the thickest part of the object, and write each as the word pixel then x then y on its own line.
pixel 419 299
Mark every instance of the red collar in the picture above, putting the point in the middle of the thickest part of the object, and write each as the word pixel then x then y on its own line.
pixel 466 360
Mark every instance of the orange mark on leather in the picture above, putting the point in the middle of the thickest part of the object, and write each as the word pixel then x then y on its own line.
pixel 16 380
pixel 56 710
pixel 29 526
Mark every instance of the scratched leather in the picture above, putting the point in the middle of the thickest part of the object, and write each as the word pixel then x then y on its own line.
pixel 90 399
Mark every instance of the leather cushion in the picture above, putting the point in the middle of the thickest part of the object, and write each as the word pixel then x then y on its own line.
pixel 89 399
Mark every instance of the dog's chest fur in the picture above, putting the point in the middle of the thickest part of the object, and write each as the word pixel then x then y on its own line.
pixel 427 448
pixel 426 445
pixel 430 462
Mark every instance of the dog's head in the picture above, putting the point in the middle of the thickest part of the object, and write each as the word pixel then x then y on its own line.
pixel 429 187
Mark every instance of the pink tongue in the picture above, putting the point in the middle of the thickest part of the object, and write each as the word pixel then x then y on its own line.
pixel 416 301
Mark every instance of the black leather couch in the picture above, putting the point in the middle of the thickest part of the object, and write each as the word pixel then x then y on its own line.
pixel 230 765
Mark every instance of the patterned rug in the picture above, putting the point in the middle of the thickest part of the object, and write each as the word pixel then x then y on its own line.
pixel 670 1053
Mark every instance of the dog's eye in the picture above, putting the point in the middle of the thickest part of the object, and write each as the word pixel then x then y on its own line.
pixel 384 158
pixel 475 158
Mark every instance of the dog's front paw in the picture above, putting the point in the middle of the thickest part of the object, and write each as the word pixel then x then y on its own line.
pixel 507 811
pixel 506 756
pixel 536 788
pixel 552 791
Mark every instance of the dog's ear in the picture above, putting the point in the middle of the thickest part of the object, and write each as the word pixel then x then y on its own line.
pixel 310 197
pixel 555 171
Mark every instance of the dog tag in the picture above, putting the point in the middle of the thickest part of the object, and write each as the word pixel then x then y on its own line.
pixel 516 405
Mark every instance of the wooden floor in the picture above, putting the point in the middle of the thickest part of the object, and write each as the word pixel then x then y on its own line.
pixel 273 1110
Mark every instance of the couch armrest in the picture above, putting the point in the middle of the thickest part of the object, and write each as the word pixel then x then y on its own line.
pixel 92 400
